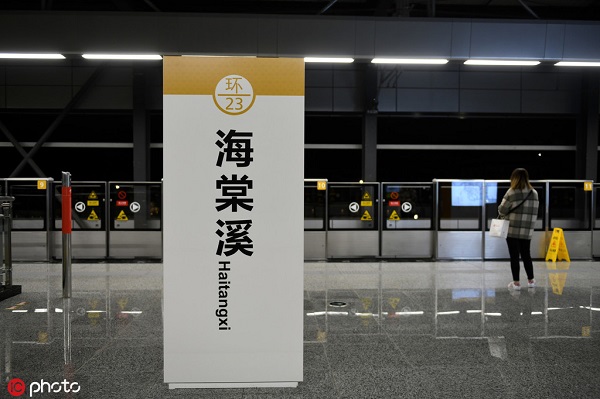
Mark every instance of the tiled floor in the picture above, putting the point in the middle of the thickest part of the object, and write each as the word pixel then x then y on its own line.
pixel 372 330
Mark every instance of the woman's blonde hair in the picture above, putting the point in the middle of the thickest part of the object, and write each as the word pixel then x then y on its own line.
pixel 519 179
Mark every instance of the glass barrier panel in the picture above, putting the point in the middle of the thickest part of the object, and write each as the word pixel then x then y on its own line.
pixel 136 206
pixel 353 206
pixel 30 207
pixel 596 207
pixel 460 205
pixel 88 202
pixel 407 206
pixel 314 207
pixel 570 206
pixel 494 192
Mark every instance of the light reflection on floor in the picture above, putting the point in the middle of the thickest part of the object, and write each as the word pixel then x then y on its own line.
pixel 371 330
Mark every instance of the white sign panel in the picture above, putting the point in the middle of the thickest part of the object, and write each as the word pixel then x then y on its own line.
pixel 233 221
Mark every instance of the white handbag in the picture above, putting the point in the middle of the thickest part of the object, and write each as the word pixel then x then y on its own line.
pixel 499 228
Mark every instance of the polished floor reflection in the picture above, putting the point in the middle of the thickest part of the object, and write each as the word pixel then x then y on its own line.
pixel 371 330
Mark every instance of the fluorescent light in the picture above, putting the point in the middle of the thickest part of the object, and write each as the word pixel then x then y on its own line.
pixel 329 59
pixel 502 62
pixel 578 63
pixel 122 57
pixel 33 56
pixel 424 61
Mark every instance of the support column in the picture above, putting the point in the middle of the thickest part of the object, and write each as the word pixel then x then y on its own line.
pixel 141 134
pixel 588 128
pixel 369 128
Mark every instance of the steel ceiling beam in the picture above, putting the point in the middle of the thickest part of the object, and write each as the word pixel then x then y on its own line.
pixel 72 104
pixel 20 149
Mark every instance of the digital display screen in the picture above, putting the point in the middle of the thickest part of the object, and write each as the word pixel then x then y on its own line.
pixel 466 194
pixel 491 193
pixel 469 193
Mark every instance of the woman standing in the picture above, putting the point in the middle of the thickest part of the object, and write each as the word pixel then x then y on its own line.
pixel 520 204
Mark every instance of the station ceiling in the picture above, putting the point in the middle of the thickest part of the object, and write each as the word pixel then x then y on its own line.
pixel 585 10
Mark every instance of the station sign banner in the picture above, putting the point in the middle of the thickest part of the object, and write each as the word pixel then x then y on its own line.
pixel 233 155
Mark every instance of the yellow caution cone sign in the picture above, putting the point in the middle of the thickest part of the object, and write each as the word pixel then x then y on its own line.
pixel 558 247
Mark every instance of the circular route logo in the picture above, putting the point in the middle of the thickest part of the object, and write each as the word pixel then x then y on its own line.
pixel 234 95
pixel 16 387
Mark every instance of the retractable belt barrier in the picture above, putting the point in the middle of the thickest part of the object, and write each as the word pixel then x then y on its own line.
pixel 7 289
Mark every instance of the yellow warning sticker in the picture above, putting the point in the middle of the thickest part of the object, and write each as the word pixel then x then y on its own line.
pixel 93 216
pixel 366 216
pixel 122 216
pixel 394 302
pixel 93 203
pixel 93 195
pixel 122 303
pixel 586 331
pixel 394 216
pixel 366 203
pixel 366 196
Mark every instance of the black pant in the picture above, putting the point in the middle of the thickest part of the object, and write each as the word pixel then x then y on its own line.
pixel 516 247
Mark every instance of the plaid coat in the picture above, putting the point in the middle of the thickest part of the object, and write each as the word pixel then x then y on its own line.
pixel 522 220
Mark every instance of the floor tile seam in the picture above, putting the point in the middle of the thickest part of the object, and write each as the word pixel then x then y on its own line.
pixel 397 347
pixel 97 352
pixel 330 373
pixel 562 360
pixel 538 374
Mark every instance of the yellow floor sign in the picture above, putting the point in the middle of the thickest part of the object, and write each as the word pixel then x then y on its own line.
pixel 557 250
pixel 558 279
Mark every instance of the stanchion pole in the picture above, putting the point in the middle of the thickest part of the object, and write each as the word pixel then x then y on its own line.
pixel 7 215
pixel 66 233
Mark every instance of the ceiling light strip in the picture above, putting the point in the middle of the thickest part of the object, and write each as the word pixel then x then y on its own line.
pixel 30 56
pixel 414 61
pixel 341 60
pixel 502 62
pixel 141 57
pixel 578 63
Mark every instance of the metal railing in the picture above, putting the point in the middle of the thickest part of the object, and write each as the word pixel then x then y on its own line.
pixel 7 288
